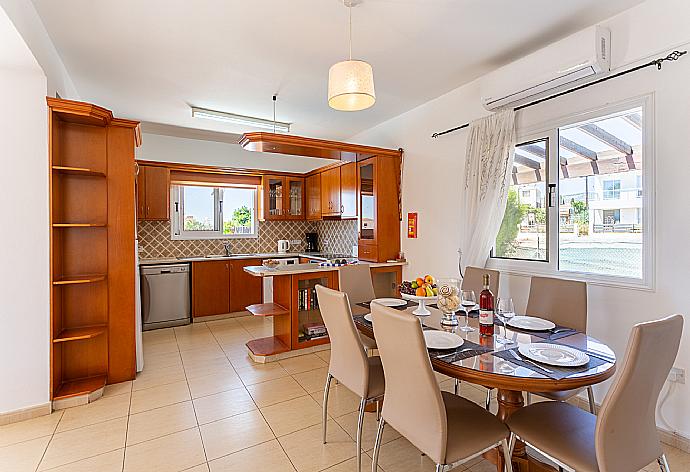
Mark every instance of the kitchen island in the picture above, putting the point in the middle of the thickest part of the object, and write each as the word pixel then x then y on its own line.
pixel 295 309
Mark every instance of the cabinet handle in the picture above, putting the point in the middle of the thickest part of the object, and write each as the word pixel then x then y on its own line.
pixel 342 208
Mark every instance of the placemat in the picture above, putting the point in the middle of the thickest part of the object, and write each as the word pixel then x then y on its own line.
pixel 551 335
pixel 409 303
pixel 467 350
pixel 557 373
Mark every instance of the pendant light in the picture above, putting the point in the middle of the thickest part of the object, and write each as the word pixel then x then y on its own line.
pixel 351 82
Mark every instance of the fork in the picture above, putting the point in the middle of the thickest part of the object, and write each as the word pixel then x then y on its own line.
pixel 454 353
pixel 520 358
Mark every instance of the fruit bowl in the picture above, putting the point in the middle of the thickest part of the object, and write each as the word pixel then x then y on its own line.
pixel 421 310
pixel 270 263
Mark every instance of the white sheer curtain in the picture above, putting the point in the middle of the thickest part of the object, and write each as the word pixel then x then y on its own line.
pixel 488 167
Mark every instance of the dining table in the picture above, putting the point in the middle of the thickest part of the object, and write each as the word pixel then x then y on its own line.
pixel 484 361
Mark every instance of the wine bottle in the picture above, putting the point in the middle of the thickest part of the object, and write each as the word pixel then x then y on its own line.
pixel 486 309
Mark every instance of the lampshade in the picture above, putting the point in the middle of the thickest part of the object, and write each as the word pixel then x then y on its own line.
pixel 351 86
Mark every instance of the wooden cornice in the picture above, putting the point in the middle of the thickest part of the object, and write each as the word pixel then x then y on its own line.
pixel 80 112
pixel 215 169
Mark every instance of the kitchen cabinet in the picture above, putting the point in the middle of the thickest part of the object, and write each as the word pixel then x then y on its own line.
pixel 330 192
pixel 210 288
pixel 153 193
pixel 313 188
pixel 348 190
pixel 283 197
pixel 245 289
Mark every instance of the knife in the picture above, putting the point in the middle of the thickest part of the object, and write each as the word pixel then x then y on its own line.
pixel 518 357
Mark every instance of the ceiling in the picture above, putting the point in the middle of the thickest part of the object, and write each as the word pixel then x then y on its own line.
pixel 150 60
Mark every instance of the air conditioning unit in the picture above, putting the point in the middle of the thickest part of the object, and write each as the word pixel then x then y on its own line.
pixel 577 59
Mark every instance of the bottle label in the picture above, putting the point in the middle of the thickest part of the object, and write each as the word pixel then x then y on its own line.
pixel 486 317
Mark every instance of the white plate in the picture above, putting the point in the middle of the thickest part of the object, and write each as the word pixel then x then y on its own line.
pixel 531 323
pixel 442 340
pixel 554 354
pixel 419 299
pixel 368 318
pixel 389 301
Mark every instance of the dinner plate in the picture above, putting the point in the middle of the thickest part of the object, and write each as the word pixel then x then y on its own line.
pixel 389 301
pixel 442 340
pixel 554 354
pixel 368 318
pixel 531 323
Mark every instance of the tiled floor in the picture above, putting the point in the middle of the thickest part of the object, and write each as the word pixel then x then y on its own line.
pixel 202 405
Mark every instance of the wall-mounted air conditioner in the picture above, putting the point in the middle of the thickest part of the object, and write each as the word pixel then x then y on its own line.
pixel 577 59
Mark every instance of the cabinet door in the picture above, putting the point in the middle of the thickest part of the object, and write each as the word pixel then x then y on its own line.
pixel 313 184
pixel 210 288
pixel 274 189
pixel 294 198
pixel 367 200
pixel 330 192
pixel 157 192
pixel 141 192
pixel 245 289
pixel 348 190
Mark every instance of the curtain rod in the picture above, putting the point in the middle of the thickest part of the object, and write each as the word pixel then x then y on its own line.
pixel 674 56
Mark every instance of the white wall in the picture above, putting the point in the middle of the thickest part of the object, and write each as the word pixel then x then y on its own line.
pixel 433 170
pixel 24 272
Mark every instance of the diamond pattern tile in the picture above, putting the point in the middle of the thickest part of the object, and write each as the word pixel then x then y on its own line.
pixel 337 236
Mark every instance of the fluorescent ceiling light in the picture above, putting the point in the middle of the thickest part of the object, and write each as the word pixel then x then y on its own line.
pixel 241 119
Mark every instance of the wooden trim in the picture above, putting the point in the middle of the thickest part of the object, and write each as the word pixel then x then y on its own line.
pixel 175 166
pixel 177 176
pixel 73 388
pixel 77 171
pixel 79 112
pixel 76 334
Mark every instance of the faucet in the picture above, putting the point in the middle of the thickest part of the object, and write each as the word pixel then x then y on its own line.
pixel 228 248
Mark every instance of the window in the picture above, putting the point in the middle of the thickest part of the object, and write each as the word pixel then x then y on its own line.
pixel 600 226
pixel 206 212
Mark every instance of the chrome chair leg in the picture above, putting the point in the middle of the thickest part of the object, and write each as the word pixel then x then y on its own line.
pixel 512 439
pixel 592 405
pixel 663 463
pixel 457 387
pixel 362 404
pixel 326 391
pixel 488 399
pixel 507 455
pixel 377 445
pixel 440 468
pixel 528 399
pixel 378 409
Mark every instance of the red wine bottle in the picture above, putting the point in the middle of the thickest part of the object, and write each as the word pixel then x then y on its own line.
pixel 486 309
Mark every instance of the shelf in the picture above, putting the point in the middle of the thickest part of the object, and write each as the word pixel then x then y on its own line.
pixel 76 334
pixel 312 342
pixel 79 225
pixel 78 171
pixel 267 309
pixel 267 346
pixel 74 388
pixel 79 279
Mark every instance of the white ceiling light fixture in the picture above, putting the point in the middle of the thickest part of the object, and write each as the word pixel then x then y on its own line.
pixel 351 82
pixel 251 121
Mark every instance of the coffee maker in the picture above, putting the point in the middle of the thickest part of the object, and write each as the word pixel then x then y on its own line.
pixel 312 240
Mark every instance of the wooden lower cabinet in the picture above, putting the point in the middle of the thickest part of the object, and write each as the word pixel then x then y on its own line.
pixel 210 288
pixel 386 280
pixel 245 289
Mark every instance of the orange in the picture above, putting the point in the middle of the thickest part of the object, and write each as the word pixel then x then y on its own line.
pixel 421 292
pixel 429 279
pixel 419 281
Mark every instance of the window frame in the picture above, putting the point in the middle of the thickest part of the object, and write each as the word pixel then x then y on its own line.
pixel 177 233
pixel 550 269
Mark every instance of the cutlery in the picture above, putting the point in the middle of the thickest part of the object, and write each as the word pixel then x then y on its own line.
pixel 560 330
pixel 520 358
pixel 454 353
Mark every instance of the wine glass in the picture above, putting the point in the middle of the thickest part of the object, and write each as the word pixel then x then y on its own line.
pixel 469 300
pixel 505 310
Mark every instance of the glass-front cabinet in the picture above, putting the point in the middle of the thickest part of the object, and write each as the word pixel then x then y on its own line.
pixel 295 201
pixel 367 202
pixel 283 197
pixel 308 328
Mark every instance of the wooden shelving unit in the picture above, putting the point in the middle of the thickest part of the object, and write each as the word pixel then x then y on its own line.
pixel 268 309
pixel 269 346
pixel 92 248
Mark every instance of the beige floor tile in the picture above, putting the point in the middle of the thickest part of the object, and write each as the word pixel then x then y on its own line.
pixel 350 465
pixel 23 456
pixel 677 459
pixel 241 360
pixel 29 429
pixel 483 466
pixel 172 453
pixel 197 342
pixel 206 353
pixel 157 397
pixel 340 400
pixel 163 359
pixel 294 365
pixel 257 373
pixel 401 456
pixel 82 443
pixel 198 468
pixel 292 415
pixel 108 462
pixel 223 405
pixel 117 389
pixel 216 366
pixel 235 433
pixel 155 376
pixel 314 380
pixel 158 336
pixel 192 328
pixel 308 453
pixel 275 391
pixel 220 325
pixel 214 383
pixel 325 355
pixel 159 422
pixel 267 456
pixel 370 425
pixel 160 348
pixel 103 409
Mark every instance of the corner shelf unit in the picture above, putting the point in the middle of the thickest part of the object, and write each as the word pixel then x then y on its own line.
pixel 91 187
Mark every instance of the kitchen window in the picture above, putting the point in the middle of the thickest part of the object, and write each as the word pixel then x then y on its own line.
pixel 210 212
pixel 598 224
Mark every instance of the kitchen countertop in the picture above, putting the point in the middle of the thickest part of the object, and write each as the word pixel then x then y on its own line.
pixel 261 271
pixel 261 255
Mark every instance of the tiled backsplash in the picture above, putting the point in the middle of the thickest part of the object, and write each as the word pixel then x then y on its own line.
pixel 334 236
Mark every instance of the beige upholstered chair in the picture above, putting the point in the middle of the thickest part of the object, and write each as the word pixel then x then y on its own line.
pixel 447 428
pixel 624 436
pixel 565 303
pixel 349 364
pixel 355 280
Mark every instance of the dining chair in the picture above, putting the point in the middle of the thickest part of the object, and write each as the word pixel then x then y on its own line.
pixel 447 428
pixel 565 303
pixel 348 363
pixel 623 437
pixel 355 280
pixel 473 280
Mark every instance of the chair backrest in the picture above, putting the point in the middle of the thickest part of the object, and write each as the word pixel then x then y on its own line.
pixel 473 280
pixel 348 361
pixel 413 404
pixel 626 434
pixel 355 280
pixel 562 301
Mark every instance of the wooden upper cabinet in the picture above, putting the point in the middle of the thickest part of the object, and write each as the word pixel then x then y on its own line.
pixel 245 289
pixel 153 193
pixel 330 192
pixel 348 190
pixel 283 197
pixel 294 201
pixel 210 288
pixel 313 188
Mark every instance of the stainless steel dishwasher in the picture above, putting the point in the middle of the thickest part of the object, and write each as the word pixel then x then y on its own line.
pixel 165 295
